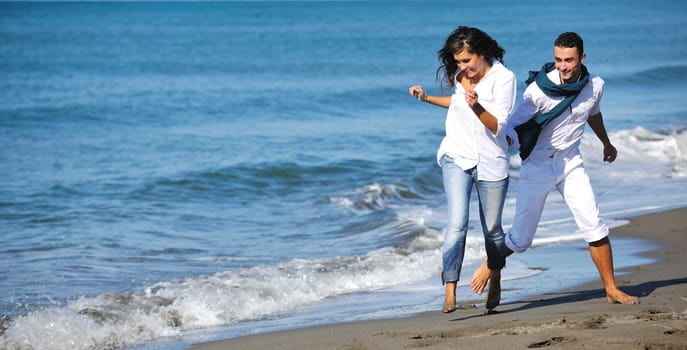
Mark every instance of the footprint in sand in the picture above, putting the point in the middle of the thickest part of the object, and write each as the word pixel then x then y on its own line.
pixel 551 342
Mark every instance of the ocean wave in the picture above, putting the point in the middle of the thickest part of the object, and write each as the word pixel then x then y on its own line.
pixel 246 179
pixel 425 184
pixel 166 309
pixel 374 197
pixel 657 75
pixel 642 153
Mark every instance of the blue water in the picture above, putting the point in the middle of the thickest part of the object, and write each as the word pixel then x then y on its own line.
pixel 170 168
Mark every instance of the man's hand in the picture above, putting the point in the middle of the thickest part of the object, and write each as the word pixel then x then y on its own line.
pixel 596 122
pixel 610 153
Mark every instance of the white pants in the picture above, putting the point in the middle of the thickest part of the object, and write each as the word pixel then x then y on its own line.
pixel 538 176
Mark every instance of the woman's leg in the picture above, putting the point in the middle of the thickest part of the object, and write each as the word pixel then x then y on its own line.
pixel 492 196
pixel 458 186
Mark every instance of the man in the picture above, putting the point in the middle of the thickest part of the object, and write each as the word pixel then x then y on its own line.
pixel 555 162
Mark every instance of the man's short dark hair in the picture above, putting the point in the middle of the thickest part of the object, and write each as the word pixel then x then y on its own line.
pixel 570 39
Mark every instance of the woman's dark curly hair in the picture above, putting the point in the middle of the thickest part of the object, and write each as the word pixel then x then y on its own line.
pixel 476 41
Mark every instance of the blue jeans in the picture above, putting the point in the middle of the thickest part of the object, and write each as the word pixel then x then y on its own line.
pixel 458 184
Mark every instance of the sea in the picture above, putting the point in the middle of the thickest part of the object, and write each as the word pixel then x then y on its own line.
pixel 179 172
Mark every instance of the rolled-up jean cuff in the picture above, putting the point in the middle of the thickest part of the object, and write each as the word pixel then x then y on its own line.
pixel 513 247
pixel 449 276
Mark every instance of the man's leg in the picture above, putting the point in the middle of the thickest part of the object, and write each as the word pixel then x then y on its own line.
pixel 602 256
pixel 579 196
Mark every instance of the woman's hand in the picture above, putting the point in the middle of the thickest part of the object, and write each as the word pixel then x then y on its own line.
pixel 421 95
pixel 471 98
pixel 418 92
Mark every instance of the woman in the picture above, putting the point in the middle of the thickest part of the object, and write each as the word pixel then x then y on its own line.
pixel 474 151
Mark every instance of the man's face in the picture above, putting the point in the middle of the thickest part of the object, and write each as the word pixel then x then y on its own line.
pixel 568 63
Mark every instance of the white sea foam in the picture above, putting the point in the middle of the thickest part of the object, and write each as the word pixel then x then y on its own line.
pixel 167 308
pixel 642 154
pixel 372 197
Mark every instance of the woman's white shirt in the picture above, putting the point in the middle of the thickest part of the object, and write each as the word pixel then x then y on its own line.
pixel 467 140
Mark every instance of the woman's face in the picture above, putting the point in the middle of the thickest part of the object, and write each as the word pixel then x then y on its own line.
pixel 471 64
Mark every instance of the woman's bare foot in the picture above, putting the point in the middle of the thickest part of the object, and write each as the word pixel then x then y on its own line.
pixel 618 297
pixel 450 298
pixel 494 292
pixel 448 307
pixel 480 277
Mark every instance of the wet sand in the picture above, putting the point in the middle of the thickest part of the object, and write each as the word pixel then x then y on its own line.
pixel 577 318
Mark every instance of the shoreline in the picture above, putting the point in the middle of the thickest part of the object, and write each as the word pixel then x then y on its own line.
pixel 577 317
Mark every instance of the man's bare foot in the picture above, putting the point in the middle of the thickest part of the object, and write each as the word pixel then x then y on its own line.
pixel 480 277
pixel 494 292
pixel 618 297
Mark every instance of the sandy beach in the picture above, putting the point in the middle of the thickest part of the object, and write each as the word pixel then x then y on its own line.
pixel 579 318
